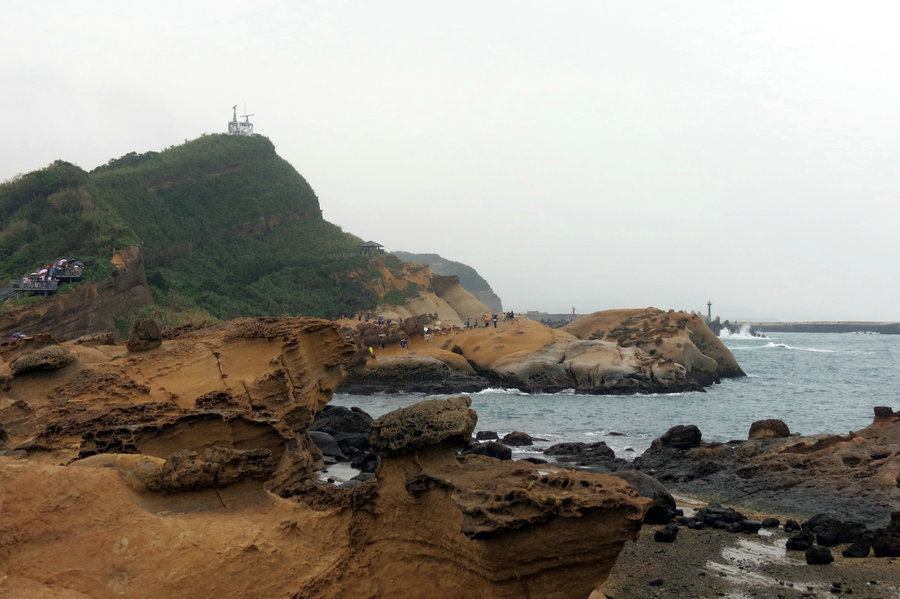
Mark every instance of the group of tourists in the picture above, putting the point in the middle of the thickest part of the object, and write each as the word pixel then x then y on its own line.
pixel 46 278
pixel 493 318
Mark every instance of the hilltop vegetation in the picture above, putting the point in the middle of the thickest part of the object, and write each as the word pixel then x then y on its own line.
pixel 227 228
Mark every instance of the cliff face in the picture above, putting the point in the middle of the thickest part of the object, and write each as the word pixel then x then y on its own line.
pixel 468 277
pixel 442 296
pixel 186 470
pixel 88 308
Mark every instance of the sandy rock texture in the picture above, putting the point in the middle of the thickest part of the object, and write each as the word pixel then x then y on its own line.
pixel 443 297
pixel 616 351
pixel 478 526
pixel 187 470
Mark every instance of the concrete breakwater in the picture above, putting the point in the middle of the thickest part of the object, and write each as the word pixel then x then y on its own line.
pixel 884 328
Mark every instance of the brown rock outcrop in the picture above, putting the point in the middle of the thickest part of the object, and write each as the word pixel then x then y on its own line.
pixel 143 336
pixel 677 336
pixel 768 429
pixel 476 526
pixel 41 353
pixel 187 471
pixel 428 422
pixel 247 384
pixel 618 351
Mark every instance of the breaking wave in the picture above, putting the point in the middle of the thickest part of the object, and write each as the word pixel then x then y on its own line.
pixel 500 391
pixel 791 347
pixel 744 333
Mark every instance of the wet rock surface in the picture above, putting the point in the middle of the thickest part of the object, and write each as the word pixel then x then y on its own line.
pixel 853 477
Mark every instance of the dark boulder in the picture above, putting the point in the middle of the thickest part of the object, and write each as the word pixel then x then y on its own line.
pixel 800 542
pixel 772 428
pixel 365 462
pixel 693 522
pixel 518 439
pixel 884 545
pixel 666 534
pixel 715 516
pixel 750 526
pixel 662 510
pixel 566 452
pixel 681 437
pixel 818 555
pixel 770 523
pixel 791 526
pixel 327 445
pixel 338 419
pixel 830 531
pixel 486 436
pixel 353 444
pixel 886 541
pixel 491 449
pixel 860 547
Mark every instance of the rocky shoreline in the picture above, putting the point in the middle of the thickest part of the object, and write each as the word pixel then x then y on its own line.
pixel 795 508
pixel 197 463
pixel 612 352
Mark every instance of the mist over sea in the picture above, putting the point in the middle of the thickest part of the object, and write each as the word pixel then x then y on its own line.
pixel 815 383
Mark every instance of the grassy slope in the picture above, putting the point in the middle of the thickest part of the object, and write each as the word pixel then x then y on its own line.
pixel 226 226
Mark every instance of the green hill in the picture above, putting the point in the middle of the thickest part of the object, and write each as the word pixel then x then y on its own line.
pixel 225 225
pixel 469 278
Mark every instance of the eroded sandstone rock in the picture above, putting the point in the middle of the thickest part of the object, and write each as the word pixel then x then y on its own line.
pixel 41 352
pixel 179 459
pixel 144 335
pixel 768 429
pixel 475 525
pixel 428 422
pixel 611 352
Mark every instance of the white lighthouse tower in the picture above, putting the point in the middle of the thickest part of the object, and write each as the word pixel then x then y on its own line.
pixel 236 127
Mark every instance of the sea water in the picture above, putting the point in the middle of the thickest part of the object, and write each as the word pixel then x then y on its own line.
pixel 814 382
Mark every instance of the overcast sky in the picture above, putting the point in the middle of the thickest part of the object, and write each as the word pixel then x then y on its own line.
pixel 582 154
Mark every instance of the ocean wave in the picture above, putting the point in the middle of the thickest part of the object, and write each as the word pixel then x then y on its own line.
pixel 744 333
pixel 501 391
pixel 791 347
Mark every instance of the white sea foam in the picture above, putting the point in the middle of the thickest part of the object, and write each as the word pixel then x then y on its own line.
pixel 500 391
pixel 744 333
pixel 791 347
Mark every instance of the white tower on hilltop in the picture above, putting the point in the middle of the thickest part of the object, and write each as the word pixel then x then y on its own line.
pixel 236 127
